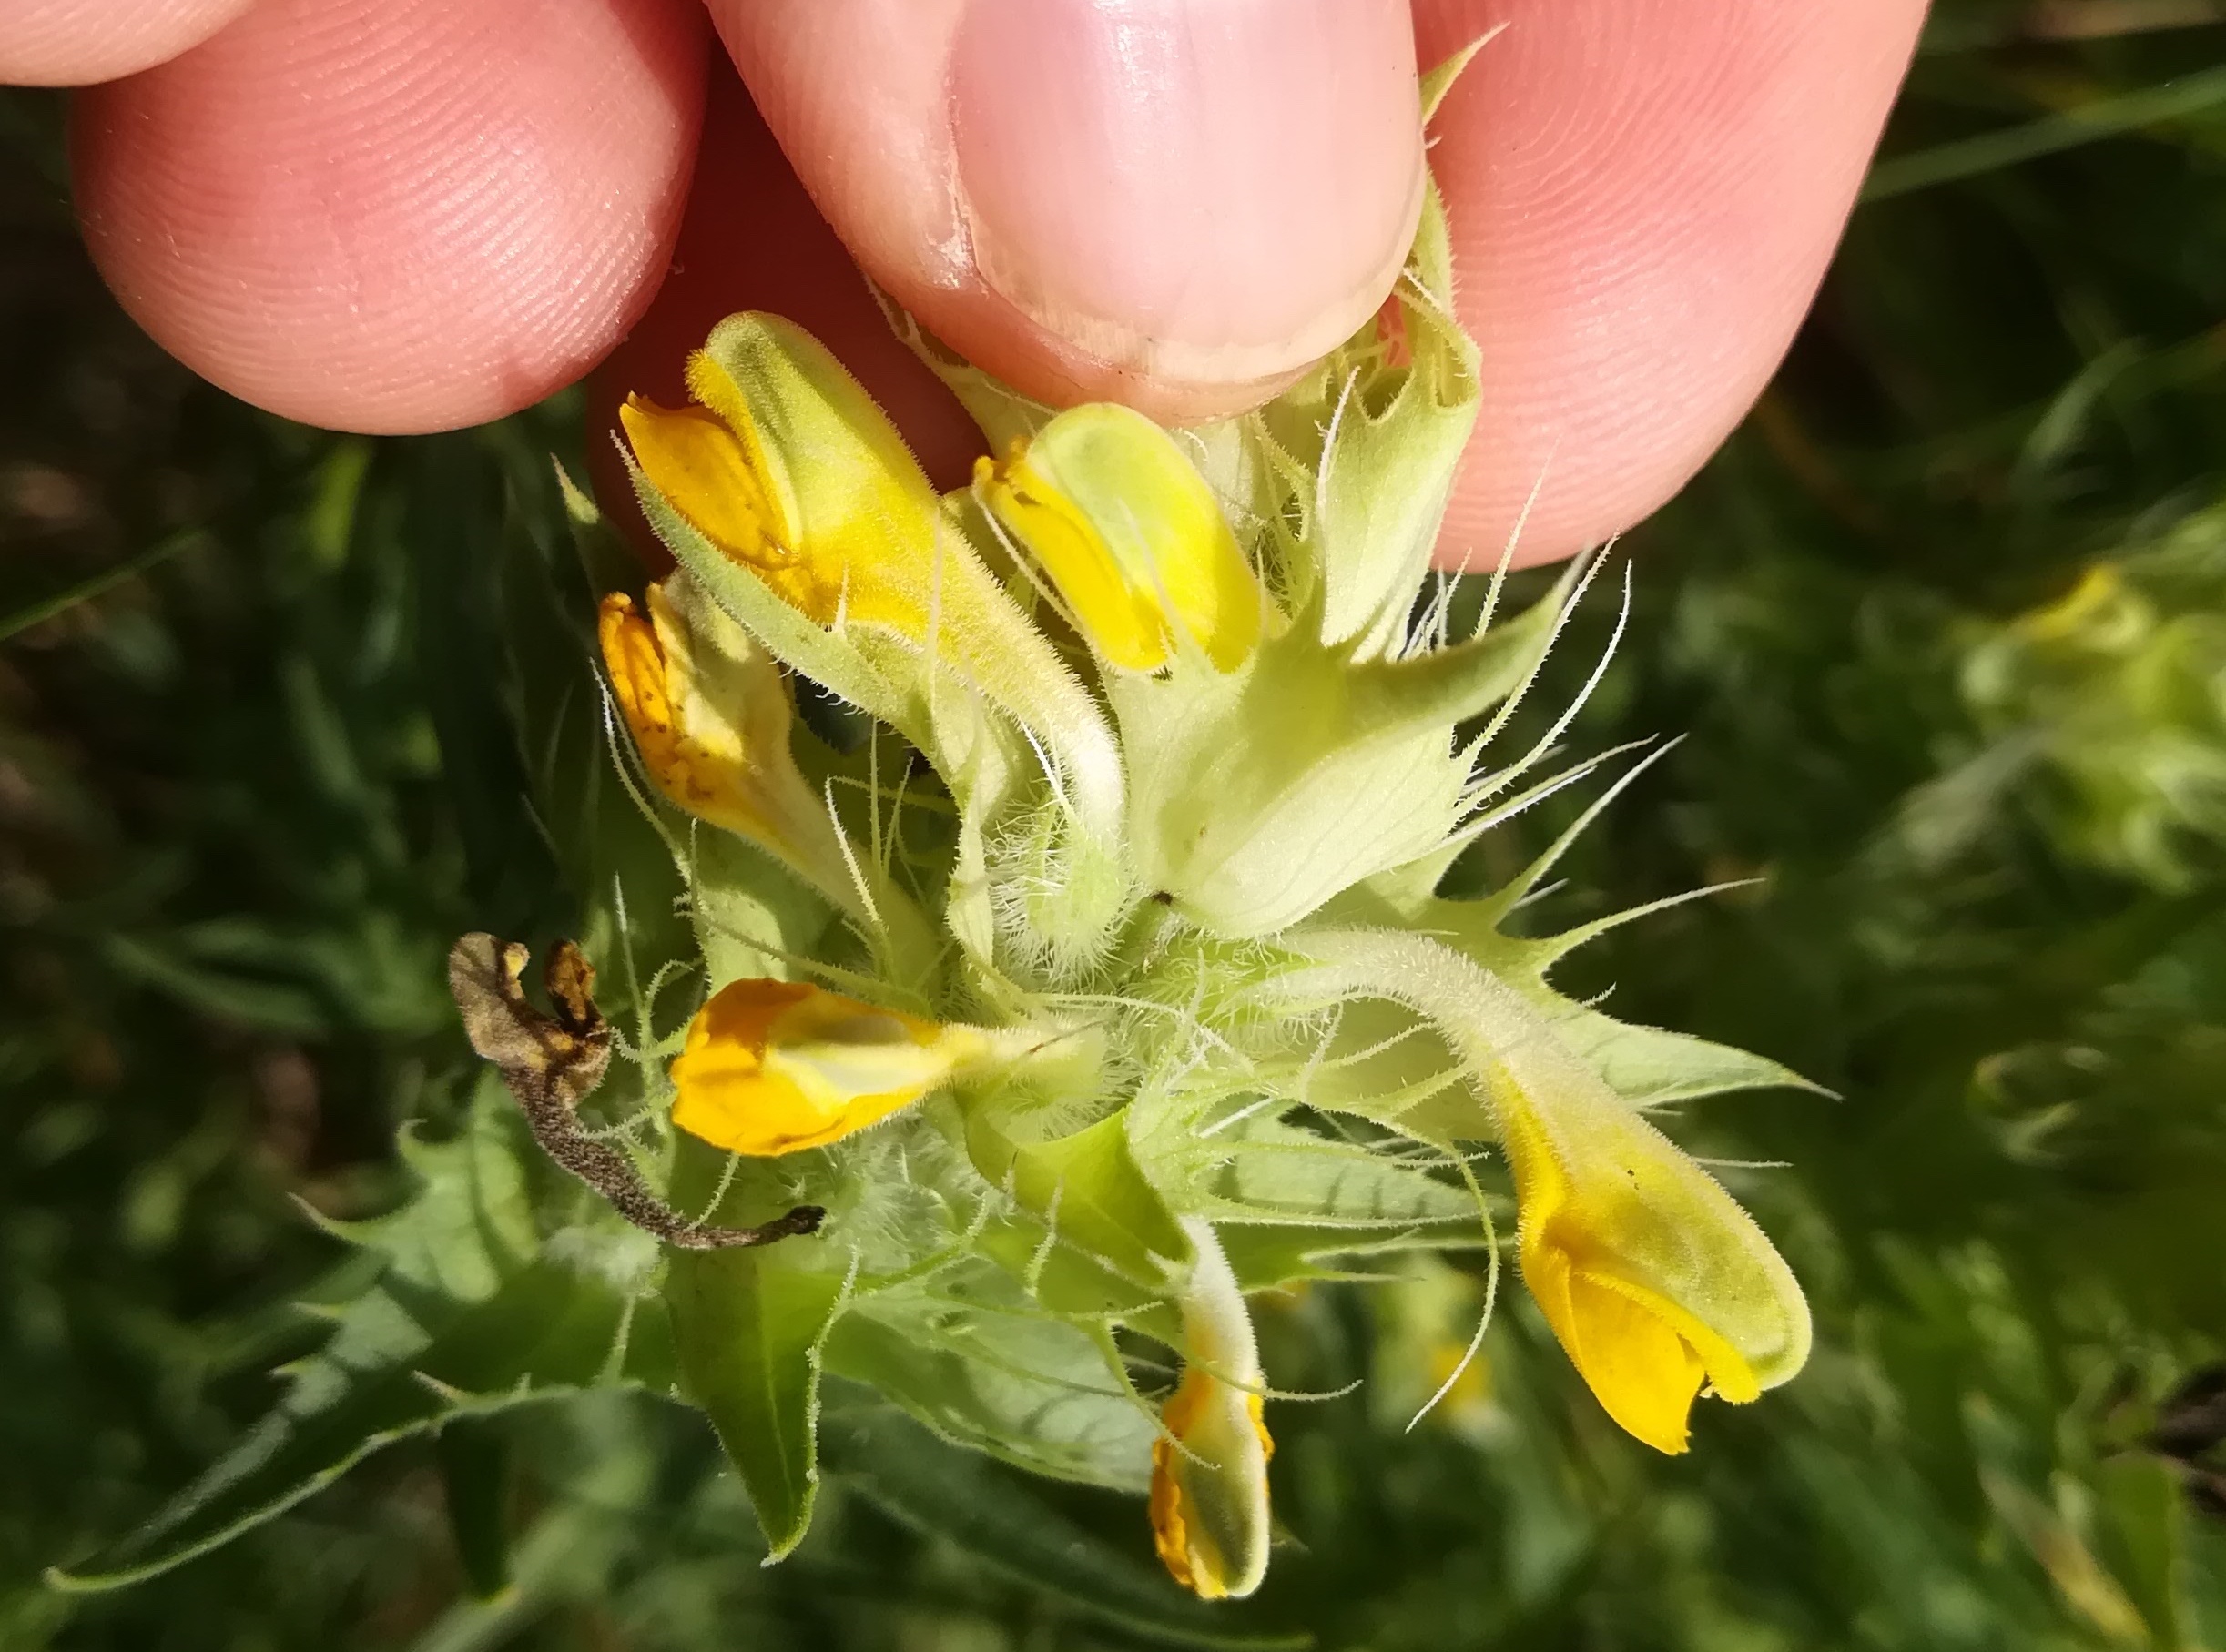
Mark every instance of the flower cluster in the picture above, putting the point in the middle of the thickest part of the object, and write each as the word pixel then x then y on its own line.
pixel 2115 692
pixel 1100 873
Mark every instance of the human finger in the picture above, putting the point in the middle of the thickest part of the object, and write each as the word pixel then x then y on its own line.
pixel 397 215
pixel 1172 202
pixel 74 43
pixel 1643 195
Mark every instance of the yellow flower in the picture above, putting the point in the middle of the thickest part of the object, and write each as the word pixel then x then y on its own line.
pixel 1209 1467
pixel 1649 1274
pixel 791 495
pixel 776 1066
pixel 711 717
pixel 1130 535
pixel 2101 590
pixel 716 740
pixel 800 476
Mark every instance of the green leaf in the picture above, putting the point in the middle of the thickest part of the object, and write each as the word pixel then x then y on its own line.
pixel 38 613
pixel 748 1330
pixel 1265 1169
pixel 971 1360
pixel 1088 1189
pixel 471 1225
pixel 1060 1277
pixel 946 1493
pixel 475 1463
pixel 1651 1067
pixel 463 1319
pixel 2143 1521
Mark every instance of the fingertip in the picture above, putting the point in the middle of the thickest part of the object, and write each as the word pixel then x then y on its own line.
pixel 1176 205
pixel 1643 195
pixel 75 43
pixel 1201 198
pixel 396 216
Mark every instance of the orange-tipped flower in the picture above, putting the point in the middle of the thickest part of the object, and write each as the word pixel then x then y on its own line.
pixel 711 716
pixel 776 1066
pixel 804 480
pixel 1209 1465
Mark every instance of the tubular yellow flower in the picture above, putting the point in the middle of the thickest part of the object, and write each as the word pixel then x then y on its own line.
pixel 849 530
pixel 1649 1273
pixel 1644 1355
pixel 1209 1465
pixel 714 475
pixel 776 1066
pixel 1131 536
pixel 789 494
pixel 711 717
pixel 720 751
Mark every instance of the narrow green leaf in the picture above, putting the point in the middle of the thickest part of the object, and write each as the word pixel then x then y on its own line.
pixel 85 590
pixel 2104 117
pixel 460 1319
pixel 545 1332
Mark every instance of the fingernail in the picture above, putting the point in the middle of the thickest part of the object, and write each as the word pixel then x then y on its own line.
pixel 1204 191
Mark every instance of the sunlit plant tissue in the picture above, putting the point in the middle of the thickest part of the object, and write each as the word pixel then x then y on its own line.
pixel 1102 983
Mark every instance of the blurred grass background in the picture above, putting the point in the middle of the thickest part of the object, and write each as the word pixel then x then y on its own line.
pixel 1944 626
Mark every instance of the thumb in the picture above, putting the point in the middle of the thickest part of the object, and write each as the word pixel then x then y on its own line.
pixel 1177 204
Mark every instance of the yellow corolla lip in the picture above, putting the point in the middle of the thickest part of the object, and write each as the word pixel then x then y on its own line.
pixel 711 718
pixel 707 777
pixel 776 1066
pixel 1644 1355
pixel 1129 536
pixel 713 474
pixel 847 535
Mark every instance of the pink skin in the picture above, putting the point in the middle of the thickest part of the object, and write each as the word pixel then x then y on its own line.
pixel 399 214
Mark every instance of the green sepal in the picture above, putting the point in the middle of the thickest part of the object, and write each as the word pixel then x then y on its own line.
pixel 1382 440
pixel 1436 82
pixel 752 916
